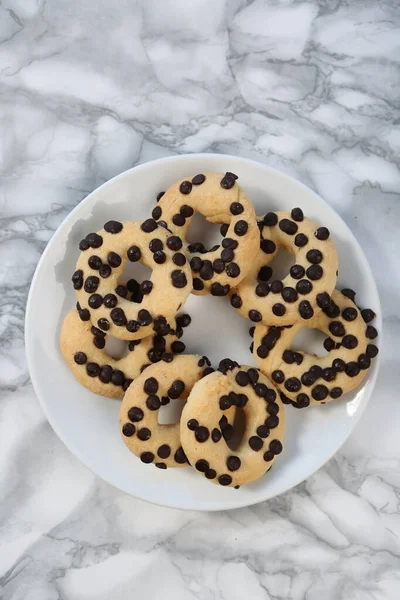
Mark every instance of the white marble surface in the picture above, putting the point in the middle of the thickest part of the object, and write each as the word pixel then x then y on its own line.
pixel 89 89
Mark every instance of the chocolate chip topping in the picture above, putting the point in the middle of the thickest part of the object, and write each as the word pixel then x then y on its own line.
pixel 278 376
pixel 349 293
pixel 198 179
pixel 371 333
pixel 322 233
pixel 368 315
pixel 297 271
pixel 224 479
pixel 198 285
pixel 288 226
pixel 228 181
pixel 297 214
pixel 278 309
pixel 156 212
pixel 202 434
pixel 135 414
pixel 148 225
pixel 147 457
pixel 276 287
pixel 314 256
pixel 319 392
pixel 300 240
pixel 241 228
pixel 314 272
pixel 178 279
pixel 255 443
pixel 254 315
pixel 128 429
pixel 113 227
pixel 304 287
pixel 233 463
pixel 94 240
pixel 270 219
pixel 236 301
pixel 305 309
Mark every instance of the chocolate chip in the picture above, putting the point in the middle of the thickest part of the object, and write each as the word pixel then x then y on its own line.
pixel 256 443
pixel 192 424
pixel 336 392
pixel 227 254
pixel 320 392
pixel 233 463
pixel 268 246
pixel 196 264
pixel 183 320
pixel 233 270
pixel 178 220
pixel 288 357
pixel 372 350
pixel 159 257
pixel 350 342
pixel 198 285
pixel 229 243
pixel 304 287
pixel 185 187
pixel 329 344
pixel 122 291
pixel 242 378
pixel 206 271
pixel 364 361
pixel 236 301
pixel 333 311
pixel 241 228
pixel 198 179
pixel 371 333
pixel 134 254
pixel 329 374
pixel 272 421
pixel 147 457
pixel 151 386
pixel 300 240
pixel 91 284
pixel 83 245
pixel 156 213
pixel 174 243
pixel 314 256
pixel 276 287
pixel 297 214
pixel 197 247
pixel 292 384
pixel 349 293
pixel 322 233
pixel 216 435
pixel 156 245
pixel 270 219
pixel 352 369
pixel 186 210
pixel 144 434
pixel 336 328
pixel 105 271
pixel 164 451
pixel 228 181
pixel 180 456
pixel 176 390
pixel 95 301
pixel 202 465
pixel 314 272
pixel 224 229
pixel 278 309
pixel 219 290
pixel 236 208
pixel 268 456
pixel 254 315
pixel 167 357
pixel 297 271
pixel 349 314
pixel 84 314
pixel 224 480
pixel 92 369
pixel 159 196
pixel 276 447
pixel 148 225
pixel 289 294
pixel 118 317
pixel 135 414
pixel 302 401
pixel 80 358
pixel 77 280
pixel 323 300
pixel 288 226
pixel 94 240
pixel 128 429
pixel 305 309
pixel 133 326
pixel 178 278
pixel 278 376
pixel 110 301
pixel 264 274
pixel 339 365
pixel 262 290
pixel 262 351
pixel 218 265
pixel 368 315
pixel 202 434
pixel 179 259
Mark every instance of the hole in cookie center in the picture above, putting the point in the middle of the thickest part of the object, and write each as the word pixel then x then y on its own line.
pixel 233 434
pixel 116 348
pixel 201 230
pixel 132 276
pixel 171 412
pixel 281 264
pixel 310 340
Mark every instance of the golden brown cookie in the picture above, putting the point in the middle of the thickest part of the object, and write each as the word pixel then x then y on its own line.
pixel 219 199
pixel 305 379
pixel 82 347
pixel 101 264
pixel 305 289
pixel 201 435
pixel 145 437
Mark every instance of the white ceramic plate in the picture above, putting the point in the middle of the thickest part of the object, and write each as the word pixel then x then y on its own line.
pixel 88 424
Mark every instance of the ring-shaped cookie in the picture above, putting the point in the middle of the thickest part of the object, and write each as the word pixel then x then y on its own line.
pixel 304 378
pixel 201 436
pixel 144 436
pixel 82 346
pixel 303 292
pixel 101 264
pixel 219 199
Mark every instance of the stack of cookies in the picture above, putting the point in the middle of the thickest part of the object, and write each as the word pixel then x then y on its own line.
pixel 149 317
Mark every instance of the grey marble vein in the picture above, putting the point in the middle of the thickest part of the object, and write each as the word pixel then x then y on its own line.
pixel 89 89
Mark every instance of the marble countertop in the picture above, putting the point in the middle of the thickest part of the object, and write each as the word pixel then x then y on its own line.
pixel 89 89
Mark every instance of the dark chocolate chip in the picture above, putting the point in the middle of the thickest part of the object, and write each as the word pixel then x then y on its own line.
pixel 254 315
pixel 159 257
pixel 333 311
pixel 337 329
pixel 350 342
pixel 224 229
pixel 144 434
pixel 110 301
pixel 80 358
pixel 196 264
pixel 118 316
pixel 179 259
pixel 323 300
pixel 229 243
pixel 159 196
pixel 233 270
pixel 267 246
pixel 164 451
pixel 304 287
pixel 156 213
pixel 134 254
pixel 202 465
pixel 198 285
pixel 94 240
pixel 202 434
pixel 218 265
pixel 185 187
pixel 198 179
pixel 305 309
pixel 132 326
pixel 233 463
pixel 192 424
pixel 349 314
pixel 372 350
pixel 314 272
pixel 176 390
pixel 242 378
pixel 180 456
pixel 147 457
pixel 186 210
pixel 224 479
pixel 178 279
pixel 105 271
pixel 368 315
pixel 278 376
pixel 113 227
pixel 322 233
pixel 128 429
pixel 94 262
pixel 219 290
pixel 255 443
pixel 206 271
pixel 95 301
pixel 288 226
pixel 272 421
pixel 236 208
pixel 178 220
pixel 268 456
pixel 216 435
pixel 160 465
pixel 289 294
pixel 297 214
pixel 364 361
pixel 300 240
pixel 241 228
pixel 276 447
pixel 92 369
pixel 236 301
pixel 135 414
pixel 276 287
pixel 227 254
pixel 349 293
pixel 339 365
pixel 270 219
pixel 262 351
pixel 174 243
pixel 264 274
pixel 156 245
pixel 83 245
pixel 228 181
pixel 302 401
pixel 292 384
pixel 329 344
pixel 329 374
pixel 371 333
pixel 336 392
pixel 352 369
pixel 319 392
pixel 297 271
pixel 262 289
pixel 278 309
pixel 148 225
pixel 314 256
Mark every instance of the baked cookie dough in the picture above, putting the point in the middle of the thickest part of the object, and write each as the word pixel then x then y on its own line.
pixel 305 289
pixel 144 436
pixel 305 379
pixel 82 346
pixel 101 264
pixel 219 199
pixel 201 435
